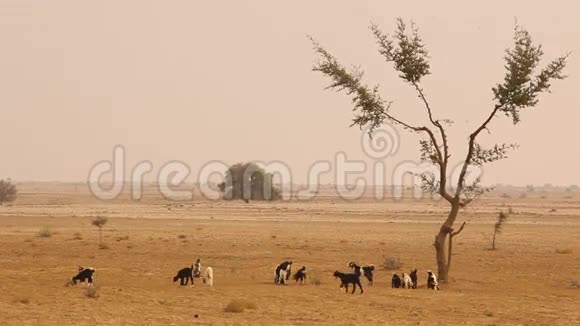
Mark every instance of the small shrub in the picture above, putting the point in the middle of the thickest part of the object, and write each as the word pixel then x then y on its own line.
pixel 553 210
pixel 510 210
pixel 92 292
pixel 574 284
pixel 392 263
pixel 77 236
pixel 488 313
pixel 181 236
pixel 103 246
pixel 123 238
pixel 563 251
pixel 23 300
pixel 504 195
pixel 239 305
pixel 44 233
pixel 274 236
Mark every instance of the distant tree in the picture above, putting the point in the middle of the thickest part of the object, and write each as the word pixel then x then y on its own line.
pixel 100 222
pixel 405 50
pixel 8 191
pixel 497 227
pixel 248 181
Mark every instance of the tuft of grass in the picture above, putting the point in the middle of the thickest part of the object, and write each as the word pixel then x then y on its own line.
pixel 44 232
pixel 563 251
pixel 181 236
pixel 22 300
pixel 239 305
pixel 488 313
pixel 574 284
pixel 92 292
pixel 392 263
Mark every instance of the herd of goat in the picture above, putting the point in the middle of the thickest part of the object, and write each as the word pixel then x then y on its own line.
pixel 409 281
pixel 282 275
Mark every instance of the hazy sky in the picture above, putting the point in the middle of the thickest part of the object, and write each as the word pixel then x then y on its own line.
pixel 232 81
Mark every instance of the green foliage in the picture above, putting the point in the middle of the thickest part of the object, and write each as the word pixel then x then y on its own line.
pixel 99 221
pixel 501 219
pixel 8 191
pixel 521 85
pixel 497 152
pixel 406 51
pixel 248 181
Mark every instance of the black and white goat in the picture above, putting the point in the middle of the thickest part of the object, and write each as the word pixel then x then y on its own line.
pixel 413 276
pixel 396 281
pixel 366 270
pixel 300 275
pixel 184 275
pixel 85 274
pixel 208 276
pixel 282 273
pixel 349 278
pixel 432 281
pixel 406 281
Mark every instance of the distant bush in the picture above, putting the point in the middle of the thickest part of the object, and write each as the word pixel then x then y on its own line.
pixel 8 191
pixel 574 284
pixel 563 251
pixel 44 233
pixel 123 238
pixel 181 236
pixel 77 236
pixel 239 305
pixel 392 263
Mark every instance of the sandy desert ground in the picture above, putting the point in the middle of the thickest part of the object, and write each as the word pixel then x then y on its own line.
pixel 532 279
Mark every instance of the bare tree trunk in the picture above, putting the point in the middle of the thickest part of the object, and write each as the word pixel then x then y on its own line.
pixel 493 241
pixel 450 251
pixel 442 268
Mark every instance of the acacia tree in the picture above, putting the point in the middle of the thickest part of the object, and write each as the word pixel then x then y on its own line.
pixel 8 191
pixel 406 51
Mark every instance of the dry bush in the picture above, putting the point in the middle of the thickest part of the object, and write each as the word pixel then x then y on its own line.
pixel 239 305
pixel 273 236
pixel 92 292
pixel 103 247
pixel 392 263
pixel 123 238
pixel 563 251
pixel 181 236
pixel 574 284
pixel 504 195
pixel 510 210
pixel 77 236
pixel 22 300
pixel 44 233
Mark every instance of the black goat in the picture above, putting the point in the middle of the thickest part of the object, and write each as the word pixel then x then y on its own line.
pixel 396 281
pixel 413 276
pixel 349 278
pixel 300 275
pixel 85 274
pixel 366 270
pixel 184 275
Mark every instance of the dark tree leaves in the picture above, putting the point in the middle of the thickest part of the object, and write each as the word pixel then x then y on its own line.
pixel 521 86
